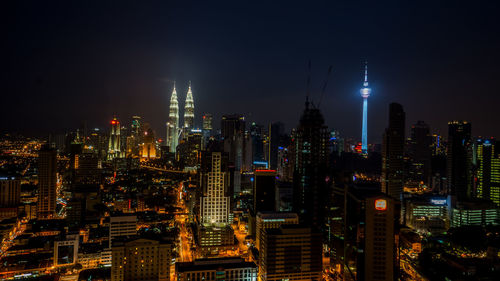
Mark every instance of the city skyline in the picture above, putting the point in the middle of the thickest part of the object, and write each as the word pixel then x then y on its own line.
pixel 244 68
pixel 175 141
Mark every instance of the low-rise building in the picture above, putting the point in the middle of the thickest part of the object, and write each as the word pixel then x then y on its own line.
pixel 229 269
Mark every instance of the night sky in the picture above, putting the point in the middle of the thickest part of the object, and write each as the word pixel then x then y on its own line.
pixel 63 63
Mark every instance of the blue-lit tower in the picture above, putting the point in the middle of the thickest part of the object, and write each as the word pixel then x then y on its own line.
pixel 365 93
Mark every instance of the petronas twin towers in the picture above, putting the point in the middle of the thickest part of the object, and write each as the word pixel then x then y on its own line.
pixel 173 129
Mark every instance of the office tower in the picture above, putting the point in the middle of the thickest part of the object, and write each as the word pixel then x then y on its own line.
pixel 467 212
pixel 189 110
pixel 114 143
pixel 290 252
pixel 268 220
pixel 229 269
pixel 264 191
pixel 135 127
pixel 310 171
pixel 139 259
pixel 173 123
pixel 458 160
pixel 392 153
pixel 369 250
pixel 427 213
pixel 87 169
pixel 258 139
pixel 233 135
pixel 276 132
pixel 232 125
pixel 47 182
pixel 420 155
pixel 135 137
pixel 122 226
pixel 214 203
pixel 215 232
pixel 207 123
pixel 10 195
pixel 148 146
pixel 189 149
pixel 487 162
pixel 365 93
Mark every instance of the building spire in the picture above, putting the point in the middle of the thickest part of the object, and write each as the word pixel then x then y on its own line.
pixel 365 83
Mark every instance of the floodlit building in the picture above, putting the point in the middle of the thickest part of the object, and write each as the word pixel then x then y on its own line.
pixel 172 139
pixel 189 110
pixel 365 93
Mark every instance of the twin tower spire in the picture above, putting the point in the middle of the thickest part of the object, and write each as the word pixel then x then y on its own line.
pixel 173 129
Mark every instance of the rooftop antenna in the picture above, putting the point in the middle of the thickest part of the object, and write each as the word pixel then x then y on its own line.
pixel 308 83
pixel 325 84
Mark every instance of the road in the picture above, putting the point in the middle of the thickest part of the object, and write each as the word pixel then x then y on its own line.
pixel 185 237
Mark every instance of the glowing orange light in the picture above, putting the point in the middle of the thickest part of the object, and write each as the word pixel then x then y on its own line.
pixel 381 204
pixel 113 122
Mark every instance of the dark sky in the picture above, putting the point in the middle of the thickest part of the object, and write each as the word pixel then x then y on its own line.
pixel 87 60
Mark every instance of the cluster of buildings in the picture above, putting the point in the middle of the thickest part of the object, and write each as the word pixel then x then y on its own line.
pixel 250 202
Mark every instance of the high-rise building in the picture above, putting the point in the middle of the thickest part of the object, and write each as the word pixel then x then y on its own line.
pixel 291 252
pixel 268 220
pixel 148 147
pixel 139 259
pixel 487 162
pixel 215 232
pixel 392 153
pixel 264 191
pixel 459 159
pixel 10 195
pixel 365 93
pixel 173 123
pixel 47 182
pixel 420 155
pixel 235 143
pixel 229 269
pixel 189 149
pixel 10 191
pixel 87 168
pixel 369 240
pixel 114 143
pixel 207 122
pixel 214 203
pixel 232 125
pixel 136 127
pixel 189 110
pixel 122 226
pixel 276 131
pixel 310 171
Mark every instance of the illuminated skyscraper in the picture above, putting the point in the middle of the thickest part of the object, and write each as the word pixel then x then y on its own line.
pixel 487 161
pixel 214 202
pixel 173 122
pixel 365 93
pixel 114 144
pixel 189 109
pixel 215 232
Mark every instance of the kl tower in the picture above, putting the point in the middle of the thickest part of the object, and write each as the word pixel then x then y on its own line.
pixel 365 93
